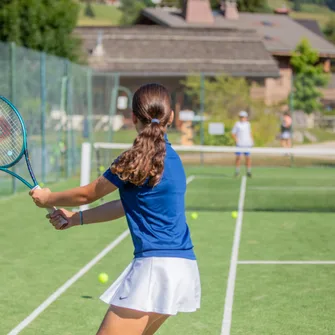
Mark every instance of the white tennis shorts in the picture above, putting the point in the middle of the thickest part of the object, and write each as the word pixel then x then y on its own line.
pixel 164 285
pixel 285 135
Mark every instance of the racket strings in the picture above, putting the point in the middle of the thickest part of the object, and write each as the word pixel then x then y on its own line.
pixel 11 135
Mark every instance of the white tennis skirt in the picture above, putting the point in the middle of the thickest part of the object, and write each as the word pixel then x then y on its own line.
pixel 164 285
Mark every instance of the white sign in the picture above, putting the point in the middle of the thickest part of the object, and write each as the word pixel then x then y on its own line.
pixel 122 102
pixel 186 115
pixel 216 128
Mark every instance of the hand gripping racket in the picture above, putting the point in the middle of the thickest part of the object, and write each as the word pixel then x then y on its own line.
pixel 13 144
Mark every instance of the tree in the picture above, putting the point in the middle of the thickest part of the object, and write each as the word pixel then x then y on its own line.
pixel 329 30
pixel 131 10
pixel 309 77
pixel 171 3
pixel 225 96
pixel 253 6
pixel 88 9
pixel 297 5
pixel 331 4
pixel 215 4
pixel 43 25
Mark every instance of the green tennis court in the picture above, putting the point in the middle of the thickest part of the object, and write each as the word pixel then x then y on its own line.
pixel 285 265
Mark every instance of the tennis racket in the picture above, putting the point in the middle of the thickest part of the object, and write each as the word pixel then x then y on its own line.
pixel 13 144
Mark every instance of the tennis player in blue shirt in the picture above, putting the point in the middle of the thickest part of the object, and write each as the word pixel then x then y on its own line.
pixel 163 278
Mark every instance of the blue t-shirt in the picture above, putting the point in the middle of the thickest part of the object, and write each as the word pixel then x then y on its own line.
pixel 156 215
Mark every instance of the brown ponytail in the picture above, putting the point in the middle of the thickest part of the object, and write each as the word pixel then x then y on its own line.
pixel 145 160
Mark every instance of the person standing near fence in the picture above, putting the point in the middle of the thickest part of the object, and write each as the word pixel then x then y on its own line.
pixel 243 138
pixel 286 131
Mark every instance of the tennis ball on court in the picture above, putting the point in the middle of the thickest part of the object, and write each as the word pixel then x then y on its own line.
pixel 103 278
pixel 194 215
pixel 234 215
pixel 102 168
pixel 41 185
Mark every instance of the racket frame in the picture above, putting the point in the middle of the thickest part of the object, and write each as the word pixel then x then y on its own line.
pixel 24 151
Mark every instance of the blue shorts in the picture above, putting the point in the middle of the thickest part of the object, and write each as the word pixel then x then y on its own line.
pixel 247 154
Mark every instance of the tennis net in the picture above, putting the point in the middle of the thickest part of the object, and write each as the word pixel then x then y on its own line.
pixel 295 180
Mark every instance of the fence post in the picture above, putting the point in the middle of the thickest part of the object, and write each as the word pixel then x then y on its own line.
pixel 291 107
pixel 72 133
pixel 89 105
pixel 113 105
pixel 69 158
pixel 202 112
pixel 13 93
pixel 43 113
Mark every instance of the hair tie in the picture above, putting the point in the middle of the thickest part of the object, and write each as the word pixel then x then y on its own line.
pixel 155 121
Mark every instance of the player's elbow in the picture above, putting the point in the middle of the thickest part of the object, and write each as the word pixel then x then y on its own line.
pixel 87 196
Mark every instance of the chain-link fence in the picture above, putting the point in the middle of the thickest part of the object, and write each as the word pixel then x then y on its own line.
pixel 56 99
pixel 65 104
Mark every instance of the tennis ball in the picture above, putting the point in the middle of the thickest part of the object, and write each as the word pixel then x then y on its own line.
pixel 41 185
pixel 194 215
pixel 234 215
pixel 103 278
pixel 102 168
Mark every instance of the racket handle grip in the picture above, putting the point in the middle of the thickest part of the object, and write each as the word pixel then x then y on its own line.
pixel 51 210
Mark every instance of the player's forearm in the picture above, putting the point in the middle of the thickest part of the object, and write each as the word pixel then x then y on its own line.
pixel 107 212
pixel 74 197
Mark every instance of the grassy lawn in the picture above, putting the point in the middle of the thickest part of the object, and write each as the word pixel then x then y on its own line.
pixel 321 18
pixel 322 135
pixel 111 16
pixel 321 14
pixel 104 16
pixel 284 300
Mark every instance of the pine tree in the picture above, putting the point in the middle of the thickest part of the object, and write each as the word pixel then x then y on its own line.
pixel 309 78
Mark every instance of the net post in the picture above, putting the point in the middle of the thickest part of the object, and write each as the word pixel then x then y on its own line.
pixel 13 93
pixel 99 165
pixel 85 170
pixel 113 104
pixel 43 112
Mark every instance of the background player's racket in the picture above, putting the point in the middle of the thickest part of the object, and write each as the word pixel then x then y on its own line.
pixel 13 144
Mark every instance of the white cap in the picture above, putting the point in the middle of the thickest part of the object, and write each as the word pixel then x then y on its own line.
pixel 243 114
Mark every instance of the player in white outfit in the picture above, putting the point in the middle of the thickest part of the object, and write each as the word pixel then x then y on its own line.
pixel 243 138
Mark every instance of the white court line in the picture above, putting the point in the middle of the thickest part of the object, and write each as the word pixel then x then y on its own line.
pixel 228 308
pixel 72 280
pixel 65 286
pixel 291 188
pixel 190 179
pixel 287 262
pixel 224 177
